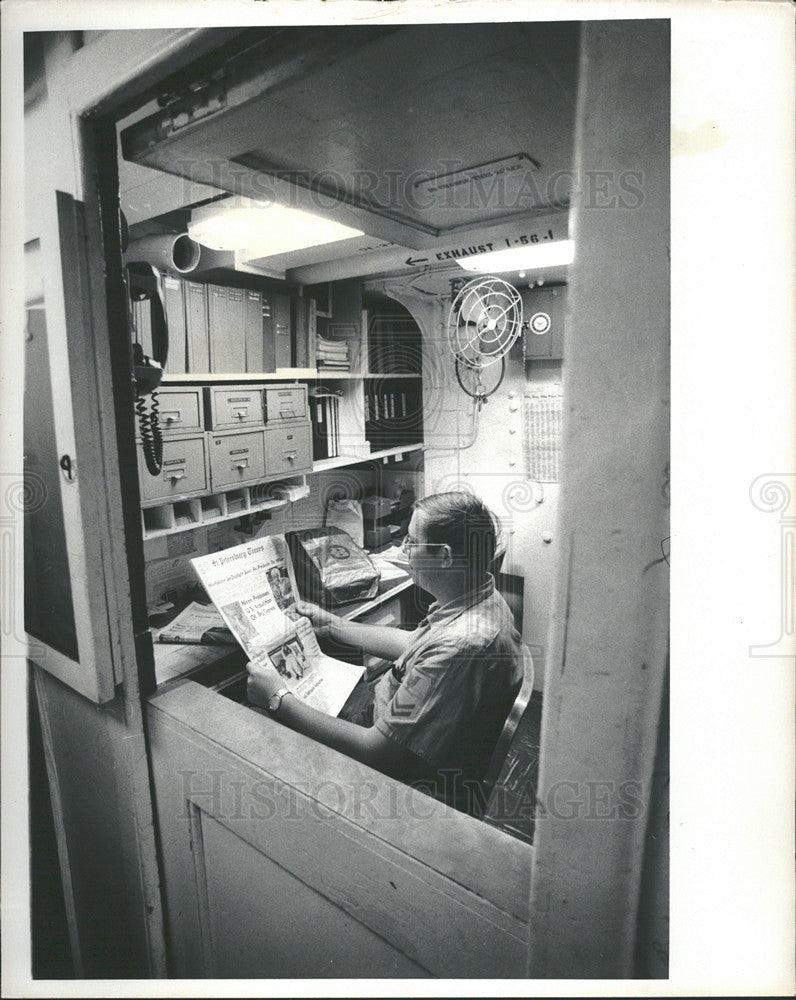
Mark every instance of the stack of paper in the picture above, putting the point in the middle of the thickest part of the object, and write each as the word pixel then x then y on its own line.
pixel 332 355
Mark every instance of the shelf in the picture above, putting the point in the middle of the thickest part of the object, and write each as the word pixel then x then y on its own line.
pixel 205 522
pixel 287 376
pixel 211 508
pixel 341 460
pixel 363 375
pixel 207 379
pixel 352 613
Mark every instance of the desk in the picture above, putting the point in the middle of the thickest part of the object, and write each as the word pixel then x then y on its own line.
pixel 173 661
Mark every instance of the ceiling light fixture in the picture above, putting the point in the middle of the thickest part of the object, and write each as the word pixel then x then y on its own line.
pixel 262 229
pixel 527 258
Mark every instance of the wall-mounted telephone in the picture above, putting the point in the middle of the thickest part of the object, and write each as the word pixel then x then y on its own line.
pixel 144 285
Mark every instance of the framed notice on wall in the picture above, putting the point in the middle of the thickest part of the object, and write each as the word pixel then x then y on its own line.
pixel 542 412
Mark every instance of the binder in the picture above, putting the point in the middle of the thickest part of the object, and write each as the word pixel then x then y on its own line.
pixel 312 333
pixel 280 309
pixel 174 297
pixel 254 332
pixel 302 333
pixel 320 438
pixel 226 324
pixel 197 339
pixel 227 330
pixel 269 347
pixel 327 407
pixel 364 348
pixel 335 410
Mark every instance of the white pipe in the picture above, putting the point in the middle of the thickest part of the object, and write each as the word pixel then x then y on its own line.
pixel 168 252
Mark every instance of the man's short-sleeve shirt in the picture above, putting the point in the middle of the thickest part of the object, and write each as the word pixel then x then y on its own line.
pixel 447 697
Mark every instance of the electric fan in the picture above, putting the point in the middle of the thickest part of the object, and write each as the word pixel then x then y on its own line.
pixel 484 321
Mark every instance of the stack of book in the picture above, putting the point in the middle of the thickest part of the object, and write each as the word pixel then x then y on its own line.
pixel 325 416
pixel 332 355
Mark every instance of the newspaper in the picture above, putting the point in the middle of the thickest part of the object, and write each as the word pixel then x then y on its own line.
pixel 253 586
pixel 198 624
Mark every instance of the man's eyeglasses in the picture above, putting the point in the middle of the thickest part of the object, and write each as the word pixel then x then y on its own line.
pixel 412 543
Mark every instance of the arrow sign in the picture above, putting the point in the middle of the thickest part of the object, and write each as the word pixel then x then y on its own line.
pixel 518 230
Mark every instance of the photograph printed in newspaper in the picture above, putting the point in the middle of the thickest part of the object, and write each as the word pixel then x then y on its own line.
pixel 253 586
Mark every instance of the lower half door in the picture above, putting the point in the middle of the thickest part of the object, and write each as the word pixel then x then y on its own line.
pixel 284 859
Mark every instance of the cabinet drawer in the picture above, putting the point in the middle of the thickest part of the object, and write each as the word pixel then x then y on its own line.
pixel 228 407
pixel 285 403
pixel 180 411
pixel 288 449
pixel 236 459
pixel 184 470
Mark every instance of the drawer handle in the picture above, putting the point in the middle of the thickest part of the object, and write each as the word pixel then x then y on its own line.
pixel 172 416
pixel 287 414
pixel 291 456
pixel 176 476
pixel 241 414
pixel 240 466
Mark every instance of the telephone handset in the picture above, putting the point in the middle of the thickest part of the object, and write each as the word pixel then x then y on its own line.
pixel 143 284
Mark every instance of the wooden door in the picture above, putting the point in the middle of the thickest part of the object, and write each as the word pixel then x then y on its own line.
pixel 282 858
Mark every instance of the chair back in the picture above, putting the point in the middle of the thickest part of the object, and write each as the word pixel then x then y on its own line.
pixel 510 725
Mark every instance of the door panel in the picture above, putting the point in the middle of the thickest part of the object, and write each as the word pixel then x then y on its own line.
pixel 49 610
pixel 70 634
pixel 332 867
pixel 289 930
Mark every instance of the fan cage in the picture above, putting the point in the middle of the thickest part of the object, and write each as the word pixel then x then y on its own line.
pixel 484 321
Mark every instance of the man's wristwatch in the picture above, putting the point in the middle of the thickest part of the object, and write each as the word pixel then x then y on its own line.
pixel 275 700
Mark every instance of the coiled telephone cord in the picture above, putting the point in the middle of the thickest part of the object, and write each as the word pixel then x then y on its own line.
pixel 151 436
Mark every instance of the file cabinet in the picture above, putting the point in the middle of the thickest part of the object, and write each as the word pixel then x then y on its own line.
pixel 180 411
pixel 236 458
pixel 286 403
pixel 288 449
pixel 231 407
pixel 184 472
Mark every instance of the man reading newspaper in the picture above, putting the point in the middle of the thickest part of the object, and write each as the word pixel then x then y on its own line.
pixel 439 711
pixel 254 589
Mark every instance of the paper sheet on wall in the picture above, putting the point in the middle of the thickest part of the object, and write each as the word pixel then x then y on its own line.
pixel 543 409
pixel 254 588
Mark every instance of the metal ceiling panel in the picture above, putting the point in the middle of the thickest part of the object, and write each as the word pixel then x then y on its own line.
pixel 351 121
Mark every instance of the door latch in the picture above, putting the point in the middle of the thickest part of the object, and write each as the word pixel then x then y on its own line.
pixel 66 466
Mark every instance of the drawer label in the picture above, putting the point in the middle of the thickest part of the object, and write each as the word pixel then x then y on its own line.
pixel 239 451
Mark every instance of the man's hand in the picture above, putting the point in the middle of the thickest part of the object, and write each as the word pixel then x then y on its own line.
pixel 320 618
pixel 264 681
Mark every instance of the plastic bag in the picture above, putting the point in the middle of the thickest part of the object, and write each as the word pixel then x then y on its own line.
pixel 331 568
pixel 346 515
